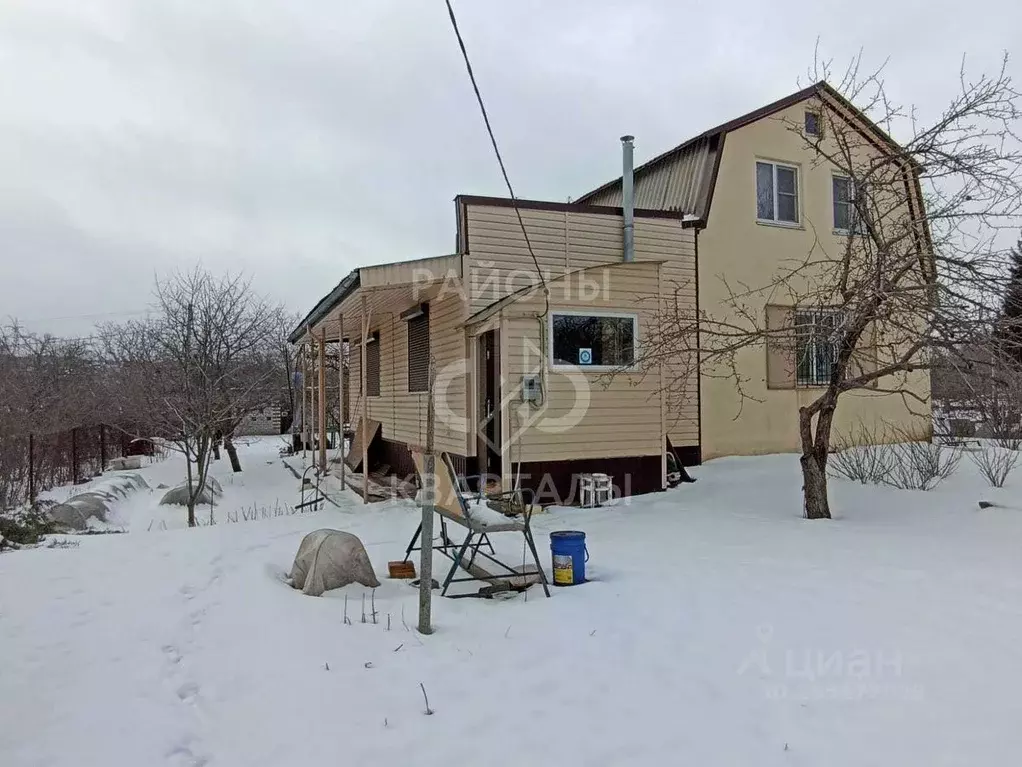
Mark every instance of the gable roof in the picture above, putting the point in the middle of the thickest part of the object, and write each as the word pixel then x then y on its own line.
pixel 683 178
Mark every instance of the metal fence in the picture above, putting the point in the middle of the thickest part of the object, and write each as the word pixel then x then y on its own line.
pixel 33 463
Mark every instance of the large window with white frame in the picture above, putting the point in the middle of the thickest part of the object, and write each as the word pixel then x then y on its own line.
pixel 776 192
pixel 592 339
pixel 846 215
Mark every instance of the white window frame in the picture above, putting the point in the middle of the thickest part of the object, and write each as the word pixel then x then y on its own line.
pixel 592 313
pixel 853 214
pixel 774 165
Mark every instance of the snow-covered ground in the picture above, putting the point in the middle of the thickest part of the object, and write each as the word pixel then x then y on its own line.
pixel 718 628
pixel 259 491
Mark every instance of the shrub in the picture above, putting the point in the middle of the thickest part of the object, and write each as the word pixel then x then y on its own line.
pixel 922 465
pixel 895 457
pixel 864 459
pixel 26 526
pixel 995 463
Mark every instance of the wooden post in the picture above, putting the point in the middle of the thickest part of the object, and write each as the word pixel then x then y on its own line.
pixel 305 381
pixel 428 503
pixel 340 386
pixel 307 394
pixel 365 404
pixel 312 397
pixel 322 399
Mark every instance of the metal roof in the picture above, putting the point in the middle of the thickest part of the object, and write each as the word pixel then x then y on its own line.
pixel 689 154
pixel 678 183
pixel 344 288
pixel 682 178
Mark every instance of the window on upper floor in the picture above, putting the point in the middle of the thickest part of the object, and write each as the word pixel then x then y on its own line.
pixel 776 192
pixel 813 126
pixel 846 217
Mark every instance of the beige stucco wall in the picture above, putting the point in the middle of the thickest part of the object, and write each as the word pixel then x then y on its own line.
pixel 734 247
pixel 498 263
pixel 586 414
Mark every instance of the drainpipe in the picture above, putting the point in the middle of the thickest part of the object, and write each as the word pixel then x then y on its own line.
pixel 628 197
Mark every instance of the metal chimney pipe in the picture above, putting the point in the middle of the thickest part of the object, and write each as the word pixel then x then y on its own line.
pixel 628 197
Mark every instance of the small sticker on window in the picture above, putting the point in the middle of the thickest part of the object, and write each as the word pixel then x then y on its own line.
pixel 585 356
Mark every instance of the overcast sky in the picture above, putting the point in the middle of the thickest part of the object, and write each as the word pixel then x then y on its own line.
pixel 296 140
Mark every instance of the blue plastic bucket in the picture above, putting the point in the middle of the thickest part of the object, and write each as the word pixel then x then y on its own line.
pixel 569 553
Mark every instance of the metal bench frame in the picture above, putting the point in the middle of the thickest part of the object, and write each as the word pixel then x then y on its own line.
pixel 478 534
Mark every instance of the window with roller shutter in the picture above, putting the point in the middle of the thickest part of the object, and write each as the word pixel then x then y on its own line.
pixel 418 350
pixel 354 371
pixel 373 366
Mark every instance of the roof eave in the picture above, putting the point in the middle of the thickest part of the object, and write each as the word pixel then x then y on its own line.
pixel 344 288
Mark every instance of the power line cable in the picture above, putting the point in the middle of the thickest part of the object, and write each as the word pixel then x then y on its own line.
pixel 493 141
pixel 510 190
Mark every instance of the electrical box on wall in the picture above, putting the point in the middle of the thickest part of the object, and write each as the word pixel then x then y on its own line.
pixel 531 391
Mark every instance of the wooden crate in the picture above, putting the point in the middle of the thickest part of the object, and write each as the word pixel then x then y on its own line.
pixel 401 570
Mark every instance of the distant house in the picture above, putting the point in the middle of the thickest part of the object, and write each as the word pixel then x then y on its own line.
pixel 539 380
pixel 975 393
pixel 265 421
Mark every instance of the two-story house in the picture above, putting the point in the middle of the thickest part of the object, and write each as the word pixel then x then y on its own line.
pixel 764 199
pixel 530 335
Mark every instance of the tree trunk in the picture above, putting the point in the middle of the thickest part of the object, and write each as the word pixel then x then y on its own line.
pixel 197 482
pixel 197 478
pixel 232 453
pixel 814 488
pixel 815 449
pixel 191 494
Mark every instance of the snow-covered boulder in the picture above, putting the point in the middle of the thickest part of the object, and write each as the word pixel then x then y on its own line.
pixel 208 495
pixel 331 559
pixel 95 503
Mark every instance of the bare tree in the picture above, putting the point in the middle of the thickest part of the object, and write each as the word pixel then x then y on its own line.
pixel 913 272
pixel 197 367
pixel 286 359
pixel 49 386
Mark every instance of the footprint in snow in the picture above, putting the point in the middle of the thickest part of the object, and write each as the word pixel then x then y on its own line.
pixel 188 692
pixel 182 756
